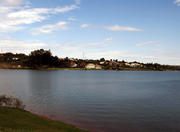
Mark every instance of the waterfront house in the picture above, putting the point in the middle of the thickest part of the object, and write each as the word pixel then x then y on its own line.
pixel 90 66
pixel 72 64
pixel 135 64
pixel 98 67
pixel 102 62
pixel 128 64
pixel 122 64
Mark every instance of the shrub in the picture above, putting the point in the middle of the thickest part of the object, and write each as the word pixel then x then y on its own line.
pixel 8 101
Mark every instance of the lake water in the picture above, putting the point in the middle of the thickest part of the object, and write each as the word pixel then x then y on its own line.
pixel 101 101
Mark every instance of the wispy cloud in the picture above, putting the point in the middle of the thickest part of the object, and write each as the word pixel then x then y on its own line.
pixel 109 39
pixel 15 46
pixel 146 43
pixel 11 3
pixel 98 43
pixel 85 25
pixel 15 13
pixel 72 19
pixel 75 49
pixel 64 9
pixel 121 28
pixel 47 29
pixel 177 2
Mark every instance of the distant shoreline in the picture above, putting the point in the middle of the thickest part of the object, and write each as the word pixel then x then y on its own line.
pixel 84 69
pixel 44 60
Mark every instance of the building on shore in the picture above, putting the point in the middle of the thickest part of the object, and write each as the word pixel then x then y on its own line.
pixel 98 67
pixel 90 66
pixel 72 64
pixel 93 66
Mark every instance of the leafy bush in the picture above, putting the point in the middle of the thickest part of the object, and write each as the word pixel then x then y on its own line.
pixel 8 101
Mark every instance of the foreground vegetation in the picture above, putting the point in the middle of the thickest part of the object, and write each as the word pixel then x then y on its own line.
pixel 13 118
pixel 17 120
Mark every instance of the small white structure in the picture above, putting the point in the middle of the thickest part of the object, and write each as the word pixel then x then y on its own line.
pixel 15 58
pixel 98 67
pixel 135 64
pixel 90 66
pixel 74 66
pixel 102 62
pixel 127 64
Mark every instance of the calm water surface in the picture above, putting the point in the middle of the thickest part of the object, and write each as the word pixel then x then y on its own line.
pixel 101 101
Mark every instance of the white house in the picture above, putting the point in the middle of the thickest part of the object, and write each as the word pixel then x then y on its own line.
pixel 127 64
pixel 102 62
pixel 90 66
pixel 135 64
pixel 98 67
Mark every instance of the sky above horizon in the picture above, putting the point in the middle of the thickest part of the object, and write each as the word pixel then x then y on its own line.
pixel 130 30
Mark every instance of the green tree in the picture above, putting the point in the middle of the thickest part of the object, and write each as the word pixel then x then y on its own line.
pixel 42 58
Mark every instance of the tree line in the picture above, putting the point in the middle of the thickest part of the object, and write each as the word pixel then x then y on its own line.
pixel 44 59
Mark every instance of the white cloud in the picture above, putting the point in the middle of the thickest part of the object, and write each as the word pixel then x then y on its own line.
pixel 72 19
pixel 11 3
pixel 15 46
pixel 15 13
pixel 47 29
pixel 121 28
pixel 109 39
pixel 28 16
pixel 146 43
pixel 64 9
pixel 85 25
pixel 76 51
pixel 119 54
pixel 177 2
pixel 97 44
pixel 9 28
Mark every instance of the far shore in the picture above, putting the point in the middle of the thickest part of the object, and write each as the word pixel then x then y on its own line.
pixel 53 68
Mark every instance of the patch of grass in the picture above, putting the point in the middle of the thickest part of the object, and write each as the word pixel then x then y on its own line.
pixel 17 120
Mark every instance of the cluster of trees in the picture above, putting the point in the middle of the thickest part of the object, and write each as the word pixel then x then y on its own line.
pixel 39 58
pixel 13 58
pixel 156 66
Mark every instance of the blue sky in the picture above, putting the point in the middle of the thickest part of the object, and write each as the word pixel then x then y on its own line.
pixel 131 30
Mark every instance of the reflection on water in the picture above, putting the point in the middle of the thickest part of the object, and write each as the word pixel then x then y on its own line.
pixel 102 101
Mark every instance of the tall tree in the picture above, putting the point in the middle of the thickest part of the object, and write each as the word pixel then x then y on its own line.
pixel 41 58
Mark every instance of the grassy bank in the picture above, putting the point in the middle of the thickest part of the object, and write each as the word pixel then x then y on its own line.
pixel 16 120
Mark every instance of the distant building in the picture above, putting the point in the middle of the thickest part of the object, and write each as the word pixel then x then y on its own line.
pixel 1 55
pixel 135 64
pixel 98 67
pixel 102 62
pixel 90 66
pixel 127 64
pixel 122 63
pixel 72 64
pixel 15 58
pixel 110 63
pixel 93 66
pixel 61 59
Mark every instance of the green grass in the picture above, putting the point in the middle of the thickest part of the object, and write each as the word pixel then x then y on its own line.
pixel 16 120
